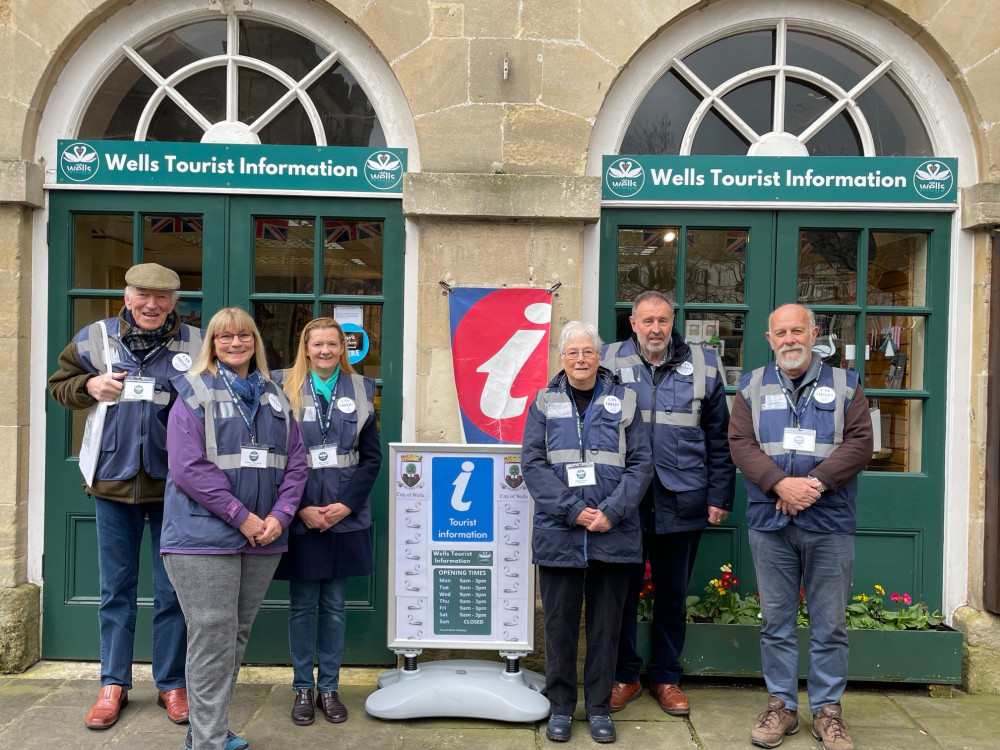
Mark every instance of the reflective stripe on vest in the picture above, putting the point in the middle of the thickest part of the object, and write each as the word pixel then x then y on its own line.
pixel 701 371
pixel 572 455
pixel 756 389
pixel 363 407
pixel 204 397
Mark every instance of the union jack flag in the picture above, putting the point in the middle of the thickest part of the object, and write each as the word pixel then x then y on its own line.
pixel 174 224
pixel 736 241
pixel 271 229
pixel 344 231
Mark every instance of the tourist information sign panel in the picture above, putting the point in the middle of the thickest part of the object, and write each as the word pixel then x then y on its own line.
pixel 459 548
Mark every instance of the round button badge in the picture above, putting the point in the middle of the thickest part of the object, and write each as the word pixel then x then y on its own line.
pixel 613 404
pixel 346 405
pixel 181 362
pixel 825 394
pixel 274 401
pixel 685 368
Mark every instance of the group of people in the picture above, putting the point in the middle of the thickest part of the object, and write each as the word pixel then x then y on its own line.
pixel 243 475
pixel 630 452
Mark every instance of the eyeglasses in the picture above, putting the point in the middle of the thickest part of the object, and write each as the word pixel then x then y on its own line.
pixel 574 354
pixel 227 338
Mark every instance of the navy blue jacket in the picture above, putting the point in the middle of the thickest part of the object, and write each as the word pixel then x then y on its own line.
pixel 613 437
pixel 688 423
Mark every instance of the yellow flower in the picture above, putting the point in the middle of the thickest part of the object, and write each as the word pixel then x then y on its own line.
pixel 727 568
pixel 858 597
pixel 864 597
pixel 721 591
pixel 715 582
pixel 880 590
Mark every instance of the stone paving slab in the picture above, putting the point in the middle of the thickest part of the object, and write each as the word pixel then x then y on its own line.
pixel 44 708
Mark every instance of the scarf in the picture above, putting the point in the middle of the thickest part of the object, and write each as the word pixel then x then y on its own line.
pixel 247 389
pixel 140 341
pixel 325 388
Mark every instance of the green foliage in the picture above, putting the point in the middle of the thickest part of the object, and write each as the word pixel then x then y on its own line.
pixel 722 603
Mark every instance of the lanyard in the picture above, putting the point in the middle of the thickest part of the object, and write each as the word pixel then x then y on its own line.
pixel 324 420
pixel 797 410
pixel 239 407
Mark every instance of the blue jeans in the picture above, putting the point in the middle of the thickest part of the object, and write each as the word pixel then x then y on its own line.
pixel 824 564
pixel 316 622
pixel 119 540
pixel 671 561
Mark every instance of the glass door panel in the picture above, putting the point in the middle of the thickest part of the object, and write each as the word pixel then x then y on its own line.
pixel 728 270
pixel 296 259
pixel 897 269
pixel 886 335
pixel 265 255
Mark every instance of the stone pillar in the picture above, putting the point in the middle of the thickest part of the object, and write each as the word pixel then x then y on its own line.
pixel 20 192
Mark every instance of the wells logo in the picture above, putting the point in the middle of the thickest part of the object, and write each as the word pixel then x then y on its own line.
pixel 79 162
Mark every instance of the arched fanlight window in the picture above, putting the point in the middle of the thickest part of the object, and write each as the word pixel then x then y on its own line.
pixel 232 79
pixel 777 90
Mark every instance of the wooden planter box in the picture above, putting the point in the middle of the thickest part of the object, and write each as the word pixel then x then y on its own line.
pixel 923 656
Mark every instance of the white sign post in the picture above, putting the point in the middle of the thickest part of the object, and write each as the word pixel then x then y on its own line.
pixel 460 578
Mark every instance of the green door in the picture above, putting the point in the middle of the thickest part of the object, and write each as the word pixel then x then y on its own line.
pixel 728 269
pixel 287 260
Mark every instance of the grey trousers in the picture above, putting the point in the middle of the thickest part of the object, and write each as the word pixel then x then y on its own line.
pixel 220 596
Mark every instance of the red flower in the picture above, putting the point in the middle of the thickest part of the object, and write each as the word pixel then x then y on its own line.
pixel 895 597
pixel 726 575
pixel 736 581
pixel 649 572
pixel 802 593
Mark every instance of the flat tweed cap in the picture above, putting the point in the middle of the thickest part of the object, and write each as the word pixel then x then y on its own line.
pixel 152 276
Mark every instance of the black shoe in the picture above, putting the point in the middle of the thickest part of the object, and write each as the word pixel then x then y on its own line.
pixel 302 709
pixel 559 727
pixel 334 711
pixel 602 729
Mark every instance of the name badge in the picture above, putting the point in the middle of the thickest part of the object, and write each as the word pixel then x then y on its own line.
pixel 581 474
pixel 322 456
pixel 627 375
pixel 253 456
pixel 559 410
pixel 138 389
pixel 803 441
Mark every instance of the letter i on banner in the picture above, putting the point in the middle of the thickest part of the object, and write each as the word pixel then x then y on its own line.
pixel 499 346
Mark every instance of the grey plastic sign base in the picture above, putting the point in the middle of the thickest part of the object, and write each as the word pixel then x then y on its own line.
pixel 465 688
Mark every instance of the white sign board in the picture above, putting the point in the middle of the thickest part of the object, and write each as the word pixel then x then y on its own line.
pixel 459 548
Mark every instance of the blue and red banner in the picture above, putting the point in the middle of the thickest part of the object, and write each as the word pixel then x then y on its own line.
pixel 500 351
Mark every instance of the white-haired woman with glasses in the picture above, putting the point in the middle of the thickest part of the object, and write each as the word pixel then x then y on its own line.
pixel 237 472
pixel 587 462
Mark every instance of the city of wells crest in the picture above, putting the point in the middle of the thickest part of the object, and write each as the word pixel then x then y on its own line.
pixel 512 472
pixel 410 470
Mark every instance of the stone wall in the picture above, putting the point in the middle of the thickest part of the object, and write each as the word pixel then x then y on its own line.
pixel 501 198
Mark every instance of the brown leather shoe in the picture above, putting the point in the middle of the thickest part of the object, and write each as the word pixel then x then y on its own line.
pixel 333 709
pixel 104 713
pixel 624 693
pixel 671 699
pixel 176 703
